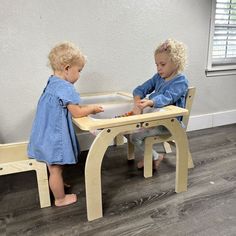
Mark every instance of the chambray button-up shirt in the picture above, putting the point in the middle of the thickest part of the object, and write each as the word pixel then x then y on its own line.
pixel 53 139
pixel 163 92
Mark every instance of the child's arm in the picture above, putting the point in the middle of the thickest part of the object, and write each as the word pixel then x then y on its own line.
pixel 80 111
pixel 141 91
pixel 172 93
pixel 146 88
pixel 145 103
pixel 136 110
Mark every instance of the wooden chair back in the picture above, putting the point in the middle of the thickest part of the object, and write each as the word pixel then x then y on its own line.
pixel 188 105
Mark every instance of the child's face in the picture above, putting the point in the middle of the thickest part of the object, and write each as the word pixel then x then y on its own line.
pixel 72 73
pixel 165 67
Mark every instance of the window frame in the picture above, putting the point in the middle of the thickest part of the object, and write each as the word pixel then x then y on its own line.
pixel 216 69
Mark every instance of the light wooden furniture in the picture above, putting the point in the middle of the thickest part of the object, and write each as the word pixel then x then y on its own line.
pixel 13 159
pixel 185 120
pixel 167 140
pixel 114 99
pixel 109 129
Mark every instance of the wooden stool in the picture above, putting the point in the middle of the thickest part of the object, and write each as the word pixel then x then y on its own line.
pixel 13 159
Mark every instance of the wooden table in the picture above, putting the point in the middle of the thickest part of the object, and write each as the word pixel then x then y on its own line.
pixel 112 127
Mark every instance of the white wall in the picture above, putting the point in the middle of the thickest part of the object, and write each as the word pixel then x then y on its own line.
pixel 118 37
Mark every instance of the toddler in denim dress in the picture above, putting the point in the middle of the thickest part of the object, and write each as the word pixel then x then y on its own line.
pixel 53 139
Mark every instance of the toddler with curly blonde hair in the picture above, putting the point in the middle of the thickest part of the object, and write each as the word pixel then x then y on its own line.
pixel 167 87
pixel 53 139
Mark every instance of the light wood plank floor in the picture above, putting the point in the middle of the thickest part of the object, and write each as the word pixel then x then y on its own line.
pixel 134 205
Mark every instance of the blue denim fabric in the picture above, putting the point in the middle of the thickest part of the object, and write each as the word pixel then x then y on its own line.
pixel 53 139
pixel 138 138
pixel 163 92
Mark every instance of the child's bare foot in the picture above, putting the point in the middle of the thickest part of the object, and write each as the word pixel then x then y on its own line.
pixel 140 164
pixel 67 200
pixel 156 163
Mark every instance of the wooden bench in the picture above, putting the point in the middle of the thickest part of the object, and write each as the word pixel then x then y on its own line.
pixel 13 159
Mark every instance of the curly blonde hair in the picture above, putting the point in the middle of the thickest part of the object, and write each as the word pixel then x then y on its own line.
pixel 65 53
pixel 176 51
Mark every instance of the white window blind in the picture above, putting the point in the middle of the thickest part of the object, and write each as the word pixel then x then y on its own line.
pixel 224 38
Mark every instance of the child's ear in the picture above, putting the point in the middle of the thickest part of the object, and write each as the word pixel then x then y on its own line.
pixel 67 67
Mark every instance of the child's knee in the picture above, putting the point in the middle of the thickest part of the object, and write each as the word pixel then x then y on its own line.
pixel 55 169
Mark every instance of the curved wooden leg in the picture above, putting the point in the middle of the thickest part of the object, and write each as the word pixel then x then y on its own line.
pixel 93 169
pixel 182 150
pixel 190 161
pixel 93 175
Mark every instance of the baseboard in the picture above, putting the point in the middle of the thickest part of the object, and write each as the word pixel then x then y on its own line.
pixel 211 120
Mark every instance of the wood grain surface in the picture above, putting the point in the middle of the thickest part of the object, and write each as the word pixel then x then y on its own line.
pixel 132 204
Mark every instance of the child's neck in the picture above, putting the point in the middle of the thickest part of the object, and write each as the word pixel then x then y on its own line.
pixel 59 74
pixel 173 75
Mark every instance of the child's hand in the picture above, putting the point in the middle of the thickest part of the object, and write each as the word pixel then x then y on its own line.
pixel 145 103
pixel 97 109
pixel 136 110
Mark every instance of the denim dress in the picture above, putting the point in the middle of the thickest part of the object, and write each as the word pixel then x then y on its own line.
pixel 53 139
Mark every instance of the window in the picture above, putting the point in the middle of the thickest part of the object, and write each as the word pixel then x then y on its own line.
pixel 222 43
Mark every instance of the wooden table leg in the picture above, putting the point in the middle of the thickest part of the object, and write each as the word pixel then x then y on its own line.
pixel 182 152
pixel 190 160
pixel 147 170
pixel 93 169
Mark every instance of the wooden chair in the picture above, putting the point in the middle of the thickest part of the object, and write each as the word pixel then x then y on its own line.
pixel 13 159
pixel 185 120
pixel 167 140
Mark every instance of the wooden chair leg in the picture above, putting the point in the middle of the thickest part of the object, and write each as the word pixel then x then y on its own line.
pixel 167 147
pixel 148 158
pixel 130 154
pixel 119 140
